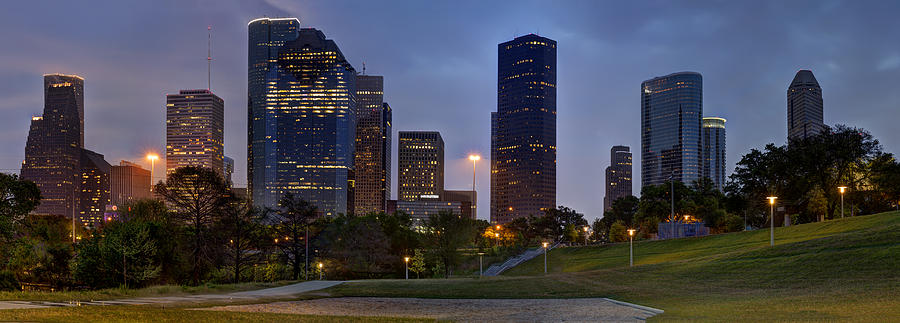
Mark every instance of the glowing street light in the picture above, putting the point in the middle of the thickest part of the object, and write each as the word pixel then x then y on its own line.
pixel 545 245
pixel 586 228
pixel 406 261
pixel 631 247
pixel 152 158
pixel 474 159
pixel 843 189
pixel 480 264
pixel 320 271
pixel 772 219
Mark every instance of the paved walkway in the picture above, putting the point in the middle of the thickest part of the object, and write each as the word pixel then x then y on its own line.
pixel 283 291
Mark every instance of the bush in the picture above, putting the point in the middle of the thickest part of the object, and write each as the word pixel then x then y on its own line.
pixel 8 281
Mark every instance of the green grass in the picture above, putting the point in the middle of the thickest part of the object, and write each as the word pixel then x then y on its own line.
pixel 838 270
pixel 119 293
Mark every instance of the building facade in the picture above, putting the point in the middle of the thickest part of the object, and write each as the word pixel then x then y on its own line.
pixel 302 117
pixel 713 139
pixel 671 112
pixel 128 182
pixel 420 165
pixel 195 131
pixel 373 146
pixel 229 170
pixel 421 210
pixel 805 108
pixel 618 175
pixel 94 188
pixel 523 129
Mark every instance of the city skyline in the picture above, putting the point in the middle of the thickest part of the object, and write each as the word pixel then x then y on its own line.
pixel 114 109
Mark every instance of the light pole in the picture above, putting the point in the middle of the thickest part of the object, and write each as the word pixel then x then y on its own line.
pixel 772 220
pixel 843 189
pixel 497 236
pixel 473 158
pixel 480 264
pixel 152 157
pixel 631 247
pixel 320 271
pixel 585 235
pixel 406 261
pixel 545 244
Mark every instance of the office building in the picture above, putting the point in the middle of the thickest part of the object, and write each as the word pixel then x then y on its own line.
pixel 523 130
pixel 229 170
pixel 373 146
pixel 671 112
pixel 93 188
pixel 805 108
pixel 713 139
pixel 128 182
pixel 420 164
pixel 302 117
pixel 422 209
pixel 618 175
pixel 195 130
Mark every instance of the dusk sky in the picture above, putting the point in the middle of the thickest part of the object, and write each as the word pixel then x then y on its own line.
pixel 439 62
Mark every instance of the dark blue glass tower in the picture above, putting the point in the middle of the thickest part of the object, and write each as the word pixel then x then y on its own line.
pixel 302 116
pixel 671 113
pixel 523 130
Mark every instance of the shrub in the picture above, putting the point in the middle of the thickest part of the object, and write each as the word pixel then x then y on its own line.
pixel 8 281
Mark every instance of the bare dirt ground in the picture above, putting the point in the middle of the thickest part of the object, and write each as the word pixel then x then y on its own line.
pixel 461 310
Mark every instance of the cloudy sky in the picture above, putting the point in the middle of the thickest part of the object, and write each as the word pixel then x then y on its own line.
pixel 439 61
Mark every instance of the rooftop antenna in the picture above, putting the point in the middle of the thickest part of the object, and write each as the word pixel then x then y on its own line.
pixel 364 68
pixel 209 58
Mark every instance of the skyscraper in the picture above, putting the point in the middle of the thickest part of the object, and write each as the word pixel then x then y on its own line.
pixel 93 188
pixel 618 175
pixel 420 165
pixel 229 169
pixel 671 112
pixel 302 117
pixel 128 182
pixel 805 108
pixel 195 130
pixel 523 129
pixel 713 140
pixel 372 145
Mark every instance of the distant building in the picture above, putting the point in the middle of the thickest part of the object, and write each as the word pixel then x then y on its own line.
pixel 671 112
pixel 420 210
pixel 239 192
pixel 805 108
pixel 195 130
pixel 618 175
pixel 465 197
pixel 523 129
pixel 302 117
pixel 93 194
pixel 420 165
pixel 713 139
pixel 373 146
pixel 229 170
pixel 128 182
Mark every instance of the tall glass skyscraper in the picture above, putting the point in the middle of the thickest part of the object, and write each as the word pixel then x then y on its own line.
pixel 618 175
pixel 805 107
pixel 195 131
pixel 671 112
pixel 302 116
pixel 373 146
pixel 420 164
pixel 713 140
pixel 523 130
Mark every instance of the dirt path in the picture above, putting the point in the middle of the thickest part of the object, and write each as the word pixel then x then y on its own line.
pixel 463 310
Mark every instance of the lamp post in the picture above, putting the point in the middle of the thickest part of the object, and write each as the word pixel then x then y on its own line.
pixel 152 158
pixel 406 261
pixel 473 158
pixel 545 244
pixel 497 236
pixel 772 220
pixel 843 189
pixel 585 234
pixel 631 247
pixel 320 271
pixel 480 264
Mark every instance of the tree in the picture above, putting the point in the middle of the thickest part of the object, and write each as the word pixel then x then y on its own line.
pixel 357 247
pixel 121 253
pixel 242 227
pixel 196 196
pixel 292 222
pixel 17 199
pixel 562 219
pixel 42 253
pixel 617 232
pixel 417 263
pixel 445 233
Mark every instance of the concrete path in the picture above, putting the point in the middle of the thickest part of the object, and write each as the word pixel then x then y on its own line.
pixel 275 292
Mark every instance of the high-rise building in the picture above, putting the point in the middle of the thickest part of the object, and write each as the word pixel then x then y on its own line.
pixel 805 108
pixel 523 129
pixel 195 130
pixel 618 175
pixel 420 163
pixel 128 182
pixel 93 188
pixel 302 117
pixel 671 112
pixel 713 139
pixel 372 145
pixel 229 170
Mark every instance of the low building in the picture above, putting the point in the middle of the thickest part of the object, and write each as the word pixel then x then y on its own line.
pixel 420 210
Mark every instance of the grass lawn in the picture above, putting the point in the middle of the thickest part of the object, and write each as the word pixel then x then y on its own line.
pixel 845 269
pixel 119 293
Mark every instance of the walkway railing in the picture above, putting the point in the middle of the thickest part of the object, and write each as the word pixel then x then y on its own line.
pixel 497 269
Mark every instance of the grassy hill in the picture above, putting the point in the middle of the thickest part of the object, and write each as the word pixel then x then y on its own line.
pixel 845 269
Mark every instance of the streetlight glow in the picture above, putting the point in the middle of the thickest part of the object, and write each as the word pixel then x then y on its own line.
pixel 631 247
pixel 152 158
pixel 545 244
pixel 772 220
pixel 406 262
pixel 842 188
pixel 474 157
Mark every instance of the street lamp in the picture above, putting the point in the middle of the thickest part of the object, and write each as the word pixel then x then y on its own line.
pixel 772 220
pixel 545 244
pixel 497 236
pixel 843 189
pixel 406 261
pixel 631 247
pixel 152 157
pixel 480 264
pixel 585 234
pixel 474 159
pixel 320 271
